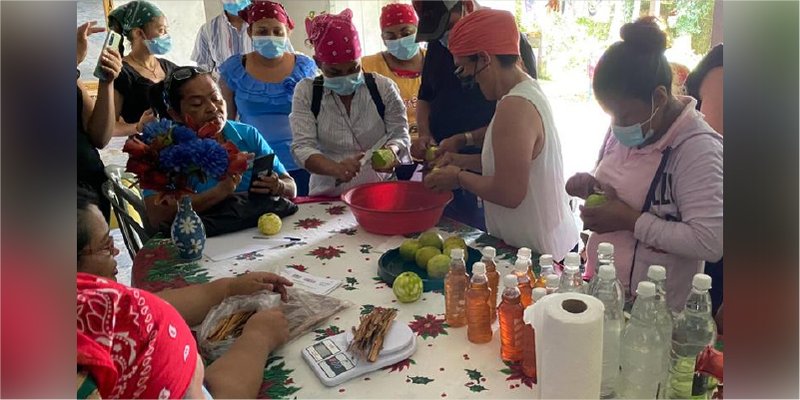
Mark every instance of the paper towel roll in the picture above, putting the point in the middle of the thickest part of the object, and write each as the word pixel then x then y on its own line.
pixel 569 345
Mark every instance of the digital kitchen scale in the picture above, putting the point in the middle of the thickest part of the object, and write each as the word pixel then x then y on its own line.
pixel 334 365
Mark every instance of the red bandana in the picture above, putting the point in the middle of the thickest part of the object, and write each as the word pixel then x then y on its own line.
pixel 260 9
pixel 492 31
pixel 334 37
pixel 398 14
pixel 132 342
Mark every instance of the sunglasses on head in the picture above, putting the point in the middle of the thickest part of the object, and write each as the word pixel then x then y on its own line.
pixel 178 75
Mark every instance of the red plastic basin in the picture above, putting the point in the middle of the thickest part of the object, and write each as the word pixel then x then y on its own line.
pixel 396 208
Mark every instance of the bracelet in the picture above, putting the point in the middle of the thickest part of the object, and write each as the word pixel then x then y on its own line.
pixel 469 139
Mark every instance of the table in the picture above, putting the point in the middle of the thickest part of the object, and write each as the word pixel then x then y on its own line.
pixel 445 364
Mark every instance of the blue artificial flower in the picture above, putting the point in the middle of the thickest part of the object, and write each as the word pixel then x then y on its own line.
pixel 212 159
pixel 154 129
pixel 181 134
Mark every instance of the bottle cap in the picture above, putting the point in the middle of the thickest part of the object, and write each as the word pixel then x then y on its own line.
pixel 524 252
pixel 478 268
pixel 489 252
pixel 701 282
pixel 646 289
pixel 552 280
pixel 546 259
pixel 607 272
pixel 521 265
pixel 510 281
pixel 456 253
pixel 572 259
pixel 538 293
pixel 657 273
pixel 571 269
pixel 605 249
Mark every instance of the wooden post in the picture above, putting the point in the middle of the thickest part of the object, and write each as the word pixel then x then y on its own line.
pixel 716 27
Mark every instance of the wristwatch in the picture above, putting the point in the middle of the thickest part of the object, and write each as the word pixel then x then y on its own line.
pixel 469 139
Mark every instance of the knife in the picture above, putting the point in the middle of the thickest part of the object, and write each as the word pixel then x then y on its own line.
pixel 368 155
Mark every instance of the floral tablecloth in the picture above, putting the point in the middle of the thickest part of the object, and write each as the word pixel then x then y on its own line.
pixel 445 363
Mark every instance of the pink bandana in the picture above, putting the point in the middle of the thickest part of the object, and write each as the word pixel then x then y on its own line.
pixel 261 9
pixel 132 342
pixel 334 37
pixel 398 14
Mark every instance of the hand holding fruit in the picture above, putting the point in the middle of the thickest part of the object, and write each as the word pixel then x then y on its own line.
pixel 384 160
pixel 581 185
pixel 420 145
pixel 443 179
pixel 451 145
pixel 609 216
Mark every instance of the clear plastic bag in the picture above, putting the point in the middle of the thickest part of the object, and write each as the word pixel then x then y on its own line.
pixel 304 310
pixel 210 349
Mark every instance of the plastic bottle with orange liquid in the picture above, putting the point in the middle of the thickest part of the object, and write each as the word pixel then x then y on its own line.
pixel 524 253
pixel 529 341
pixel 489 253
pixel 523 281
pixel 545 268
pixel 511 325
pixel 455 288
pixel 479 322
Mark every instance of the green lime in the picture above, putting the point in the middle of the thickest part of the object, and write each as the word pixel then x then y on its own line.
pixel 407 287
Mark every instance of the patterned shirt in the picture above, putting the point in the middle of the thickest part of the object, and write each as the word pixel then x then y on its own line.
pixel 218 40
pixel 338 136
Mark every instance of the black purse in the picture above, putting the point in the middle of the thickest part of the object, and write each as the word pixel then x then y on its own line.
pixel 241 211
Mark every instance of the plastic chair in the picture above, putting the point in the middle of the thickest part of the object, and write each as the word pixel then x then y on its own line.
pixel 128 207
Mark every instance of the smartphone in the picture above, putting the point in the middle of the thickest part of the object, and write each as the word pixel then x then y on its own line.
pixel 113 39
pixel 262 167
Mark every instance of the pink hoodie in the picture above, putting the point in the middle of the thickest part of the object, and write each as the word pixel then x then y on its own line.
pixel 683 227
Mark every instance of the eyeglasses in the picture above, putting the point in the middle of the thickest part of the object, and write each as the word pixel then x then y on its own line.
pixel 177 75
pixel 107 247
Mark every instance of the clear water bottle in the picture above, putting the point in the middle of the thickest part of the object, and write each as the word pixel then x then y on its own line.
pixel 642 351
pixel 605 256
pixel 552 283
pixel 694 330
pixel 608 290
pixel 571 278
pixel 658 275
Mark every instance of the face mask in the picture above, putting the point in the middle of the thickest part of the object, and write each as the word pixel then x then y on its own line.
pixel 469 82
pixel 207 394
pixel 445 38
pixel 632 136
pixel 270 46
pixel 160 45
pixel 404 48
pixel 344 85
pixel 233 7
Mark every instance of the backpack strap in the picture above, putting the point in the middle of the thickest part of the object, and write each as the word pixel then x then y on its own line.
pixel 369 79
pixel 316 95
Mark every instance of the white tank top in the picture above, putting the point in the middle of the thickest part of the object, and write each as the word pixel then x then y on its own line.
pixel 543 220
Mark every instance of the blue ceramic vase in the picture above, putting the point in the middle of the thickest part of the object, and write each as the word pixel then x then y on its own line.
pixel 188 233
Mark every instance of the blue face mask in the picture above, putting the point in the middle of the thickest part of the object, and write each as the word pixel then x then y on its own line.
pixel 445 38
pixel 632 135
pixel 344 85
pixel 270 46
pixel 160 45
pixel 233 7
pixel 404 48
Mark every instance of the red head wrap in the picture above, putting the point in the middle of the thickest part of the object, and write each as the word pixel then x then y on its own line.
pixel 261 9
pixel 334 37
pixel 132 343
pixel 492 31
pixel 398 14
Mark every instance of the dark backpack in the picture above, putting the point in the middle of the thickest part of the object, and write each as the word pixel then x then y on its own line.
pixel 369 79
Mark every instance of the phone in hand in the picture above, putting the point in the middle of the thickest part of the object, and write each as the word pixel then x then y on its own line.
pixel 262 167
pixel 113 39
